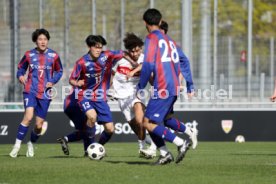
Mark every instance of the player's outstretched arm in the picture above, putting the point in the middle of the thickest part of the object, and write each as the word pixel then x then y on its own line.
pixel 133 72
pixel 186 70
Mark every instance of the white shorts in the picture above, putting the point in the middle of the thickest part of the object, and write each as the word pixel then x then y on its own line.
pixel 126 106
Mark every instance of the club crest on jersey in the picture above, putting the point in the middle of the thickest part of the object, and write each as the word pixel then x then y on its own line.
pixel 88 75
pixel 52 54
pixel 227 125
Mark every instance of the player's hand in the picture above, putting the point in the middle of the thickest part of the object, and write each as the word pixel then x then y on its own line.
pixel 80 83
pixel 49 85
pixel 182 88
pixel 273 98
pixel 22 80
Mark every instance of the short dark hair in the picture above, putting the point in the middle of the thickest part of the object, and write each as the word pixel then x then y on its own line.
pixel 92 40
pixel 38 32
pixel 164 26
pixel 131 41
pixel 152 16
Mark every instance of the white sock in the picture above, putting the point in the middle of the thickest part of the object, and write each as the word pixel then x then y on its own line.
pixel 17 143
pixel 148 139
pixel 178 141
pixel 153 146
pixel 188 131
pixel 163 150
pixel 66 138
pixel 141 144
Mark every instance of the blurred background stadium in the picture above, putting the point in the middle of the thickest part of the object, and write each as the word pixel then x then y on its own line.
pixel 228 42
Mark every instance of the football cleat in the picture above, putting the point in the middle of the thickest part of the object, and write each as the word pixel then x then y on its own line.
pixel 193 135
pixel 44 128
pixel 64 145
pixel 14 152
pixel 147 153
pixel 163 160
pixel 30 150
pixel 182 150
pixel 85 154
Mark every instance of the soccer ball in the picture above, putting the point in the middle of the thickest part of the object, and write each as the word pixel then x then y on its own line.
pixel 96 151
pixel 240 139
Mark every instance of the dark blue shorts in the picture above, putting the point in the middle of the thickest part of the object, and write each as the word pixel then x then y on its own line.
pixel 40 106
pixel 101 107
pixel 74 113
pixel 158 109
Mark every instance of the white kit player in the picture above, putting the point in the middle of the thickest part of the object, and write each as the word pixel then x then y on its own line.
pixel 125 92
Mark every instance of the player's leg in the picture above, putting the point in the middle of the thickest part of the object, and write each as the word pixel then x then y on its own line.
pixel 41 112
pixel 107 133
pixel 90 129
pixel 79 120
pixel 165 156
pixel 104 118
pixel 156 114
pixel 178 126
pixel 23 127
pixel 139 109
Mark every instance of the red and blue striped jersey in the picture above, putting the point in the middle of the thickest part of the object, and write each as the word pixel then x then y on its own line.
pixel 162 58
pixel 96 74
pixel 43 67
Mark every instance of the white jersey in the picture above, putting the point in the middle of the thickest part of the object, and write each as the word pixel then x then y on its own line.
pixel 123 86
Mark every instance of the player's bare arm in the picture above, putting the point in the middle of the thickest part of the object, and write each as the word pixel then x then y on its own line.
pixel 133 72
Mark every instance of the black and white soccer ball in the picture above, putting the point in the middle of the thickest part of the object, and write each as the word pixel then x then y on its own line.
pixel 96 151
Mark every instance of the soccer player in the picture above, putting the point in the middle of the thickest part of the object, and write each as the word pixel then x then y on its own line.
pixel 162 59
pixel 125 91
pixel 186 72
pixel 45 70
pixel 91 79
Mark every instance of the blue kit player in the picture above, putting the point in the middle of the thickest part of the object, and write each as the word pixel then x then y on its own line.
pixel 161 58
pixel 44 71
pixel 91 80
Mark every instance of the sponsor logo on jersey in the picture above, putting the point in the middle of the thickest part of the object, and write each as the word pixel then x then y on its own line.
pixel 156 115
pixel 52 54
pixel 40 67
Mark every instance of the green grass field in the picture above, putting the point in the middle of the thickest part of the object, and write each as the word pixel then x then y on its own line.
pixel 211 162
